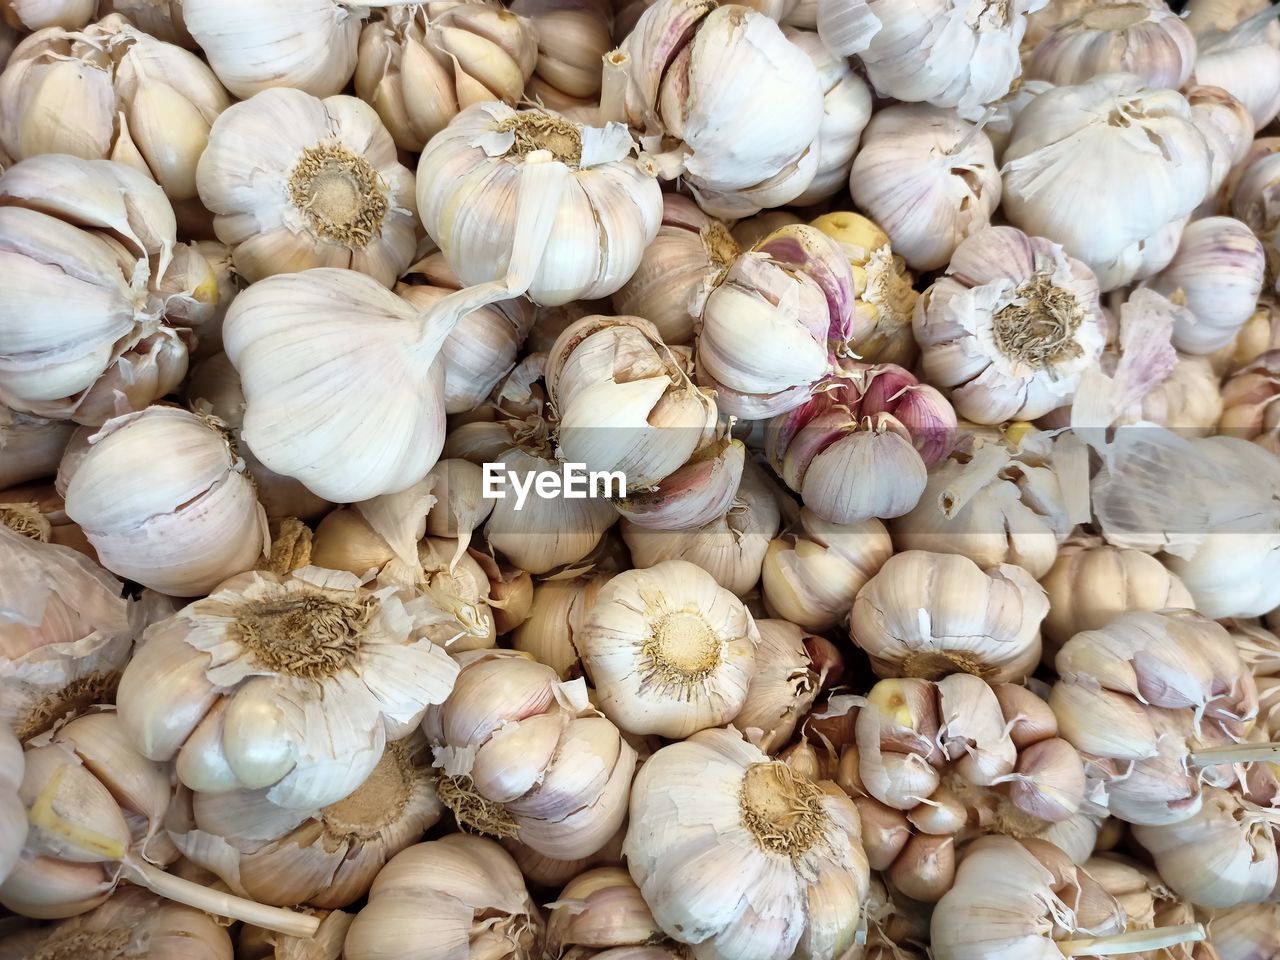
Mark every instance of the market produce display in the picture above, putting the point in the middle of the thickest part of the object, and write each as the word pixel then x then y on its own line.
pixel 639 480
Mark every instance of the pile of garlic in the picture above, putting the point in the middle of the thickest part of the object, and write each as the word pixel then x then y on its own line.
pixel 639 479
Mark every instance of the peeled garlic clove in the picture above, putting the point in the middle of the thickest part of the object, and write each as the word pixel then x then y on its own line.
pixel 1148 41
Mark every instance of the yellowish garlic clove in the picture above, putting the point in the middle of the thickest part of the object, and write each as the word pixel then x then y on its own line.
pixel 808 762
pixel 559 606
pixel 1138 38
pixel 925 870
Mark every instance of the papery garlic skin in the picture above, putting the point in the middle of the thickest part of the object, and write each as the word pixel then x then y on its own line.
pixel 312 677
pixel 297 182
pixel 782 689
pixel 930 614
pixel 1153 165
pixel 13 815
pixel 572 37
pixel 743 104
pixel 32 446
pixel 306 44
pixel 420 64
pixel 111 92
pixel 1147 40
pixel 1250 932
pixel 1217 274
pixel 179 525
pixel 668 649
pixel 928 178
pixel 603 189
pixel 1012 326
pixel 793 847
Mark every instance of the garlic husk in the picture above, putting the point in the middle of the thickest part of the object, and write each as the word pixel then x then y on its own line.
pixel 251 717
pixel 28 15
pixel 731 547
pixel 928 178
pixel 1249 402
pixel 884 298
pixel 997 117
pixel 683 263
pixel 846 110
pixel 94 266
pixel 1147 40
pixel 792 845
pixel 327 858
pixel 1217 274
pixel 457 896
pixel 162 19
pixel 179 528
pixel 1251 932
pixel 419 64
pixel 695 494
pixel 306 44
pixel 559 605
pixel 693 73
pixel 377 429
pixel 572 37
pixel 812 576
pixel 1187 400
pixel 483 347
pixel 1227 127
pixel 1091 583
pixel 1011 327
pixel 668 649
pixel 574 181
pixel 297 182
pixel 255 943
pixel 930 614
pixel 598 910
pixel 1243 58
pixel 782 688
pixel 1153 185
pixel 32 446
pixel 117 94
pixel 525 756
pixel 13 815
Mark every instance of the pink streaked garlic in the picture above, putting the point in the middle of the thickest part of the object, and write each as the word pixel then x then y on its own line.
pixel 1249 402
pixel 1012 326
pixel 1226 125
pixel 694 495
pixel 601 912
pixel 1241 54
pixel 1144 39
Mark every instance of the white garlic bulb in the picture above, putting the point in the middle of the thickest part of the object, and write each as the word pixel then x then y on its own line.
pixel 600 911
pixel 460 896
pixel 111 92
pixel 795 879
pixel 307 44
pixel 313 676
pixel 1144 39
pixel 419 64
pixel 931 614
pixel 29 15
pixel 1227 128
pixel 551 189
pixel 943 52
pixel 296 182
pixel 668 650
pixel 160 18
pixel 724 99
pixel 32 446
pixel 1250 932
pixel 1146 165
pixel 1012 326
pixel 1243 58
pixel 164 500
pixel 928 178
pixel 525 756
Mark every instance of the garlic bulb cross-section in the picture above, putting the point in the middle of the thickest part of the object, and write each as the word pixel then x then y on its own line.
pixel 296 182
pixel 669 650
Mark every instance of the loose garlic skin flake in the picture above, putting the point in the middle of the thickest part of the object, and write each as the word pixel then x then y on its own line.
pixel 669 650
pixel 296 182
pixel 743 859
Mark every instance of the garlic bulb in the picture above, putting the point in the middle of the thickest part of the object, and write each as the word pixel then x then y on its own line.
pixel 995 500
pixel 13 815
pixel 312 677
pixel 1012 326
pixel 1156 168
pixel 307 44
pixel 883 295
pixel 734 106
pixel 419 64
pixel 1227 127
pixel 1217 274
pixel 846 109
pixel 1146 697
pixel 1143 39
pixel 523 755
pixel 179 527
pixel 685 261
pixel 32 446
pixel 931 614
pixel 928 178
pixel 1250 932
pixel 796 878
pixel 769 328
pixel 1249 407
pixel 668 650
pixel 483 347
pixel 782 689
pixel 1187 400
pixel 811 577
pixel 602 909
pixel 1253 197
pixel 1147 901
pixel 28 15
pixel 453 897
pixel 328 857
pixel 559 606
pixel 572 38
pixel 1243 59
pixel 297 182
pixel 94 267
pixel 1091 584
pixel 545 871
pixel 550 186
pixel 111 92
